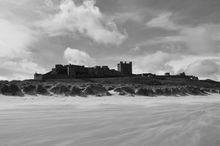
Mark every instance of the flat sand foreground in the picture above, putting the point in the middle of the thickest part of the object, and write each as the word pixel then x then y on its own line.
pixel 110 121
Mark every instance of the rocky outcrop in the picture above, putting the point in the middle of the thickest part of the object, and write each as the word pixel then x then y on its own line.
pixel 21 88
pixel 158 91
pixel 95 89
pixel 11 90
pixel 172 91
pixel 30 90
pixel 194 91
pixel 125 90
pixel 1 85
pixel 41 90
pixel 76 91
pixel 60 90
pixel 145 92
pixel 181 91
pixel 167 91
pixel 109 88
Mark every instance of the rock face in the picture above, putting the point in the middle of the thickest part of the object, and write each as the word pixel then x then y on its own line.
pixel 11 90
pixel 166 91
pixel 159 91
pixel 182 91
pixel 61 90
pixel 173 91
pixel 145 92
pixel 76 91
pixel 194 91
pixel 109 88
pixel 21 88
pixel 95 89
pixel 30 90
pixel 1 85
pixel 41 90
pixel 125 90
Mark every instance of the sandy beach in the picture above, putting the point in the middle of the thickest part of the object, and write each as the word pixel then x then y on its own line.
pixel 110 121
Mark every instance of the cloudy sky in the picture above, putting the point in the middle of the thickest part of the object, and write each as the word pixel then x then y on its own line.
pixel 157 35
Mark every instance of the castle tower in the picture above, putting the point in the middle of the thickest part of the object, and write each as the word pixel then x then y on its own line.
pixel 125 68
pixel 71 72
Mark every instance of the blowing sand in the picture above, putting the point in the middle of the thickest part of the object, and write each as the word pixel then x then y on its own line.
pixel 110 121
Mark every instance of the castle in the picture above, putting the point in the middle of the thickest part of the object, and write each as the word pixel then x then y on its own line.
pixel 76 71
pixel 124 70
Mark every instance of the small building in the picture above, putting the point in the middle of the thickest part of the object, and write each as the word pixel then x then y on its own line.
pixel 183 74
pixel 38 76
pixel 167 74
pixel 149 75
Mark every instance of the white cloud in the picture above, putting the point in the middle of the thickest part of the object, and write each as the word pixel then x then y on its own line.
pixel 205 69
pixel 163 21
pixel 3 78
pixel 202 39
pixel 128 16
pixel 85 19
pixel 162 40
pixel 77 57
pixel 155 63
pixel 135 49
pixel 19 69
pixel 15 54
pixel 181 64
pixel 49 3
pixel 14 40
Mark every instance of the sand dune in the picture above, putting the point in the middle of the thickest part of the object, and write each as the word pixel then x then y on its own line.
pixel 110 121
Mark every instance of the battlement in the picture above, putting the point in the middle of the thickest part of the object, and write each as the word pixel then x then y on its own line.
pixel 125 63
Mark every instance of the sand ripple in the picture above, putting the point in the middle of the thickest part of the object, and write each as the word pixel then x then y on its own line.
pixel 171 124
